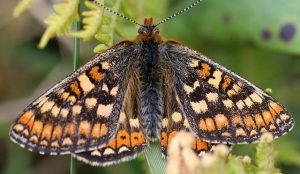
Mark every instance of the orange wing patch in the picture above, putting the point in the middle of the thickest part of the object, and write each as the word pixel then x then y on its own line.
pixel 95 74
pixel 198 145
pixel 204 71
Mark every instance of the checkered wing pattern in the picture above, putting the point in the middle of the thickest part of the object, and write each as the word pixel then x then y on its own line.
pixel 174 121
pixel 81 112
pixel 129 139
pixel 222 107
pixel 128 142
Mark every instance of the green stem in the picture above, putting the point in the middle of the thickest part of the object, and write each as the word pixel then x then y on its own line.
pixel 154 159
pixel 73 165
pixel 76 54
pixel 76 47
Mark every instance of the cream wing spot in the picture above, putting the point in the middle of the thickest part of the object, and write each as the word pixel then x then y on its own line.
pixel 165 123
pixel 240 132
pixel 76 110
pixel 221 121
pixel 186 123
pixel 194 63
pixel 216 80
pixel 134 123
pixel 64 112
pixel 236 88
pixel 256 98
pixel 26 132
pixel 231 92
pixel 67 142
pixel 105 65
pixel 114 90
pixel 284 117
pixel 104 110
pixel 228 103
pixel 108 151
pixel 189 89
pixel 240 104
pixel 47 106
pixel 90 102
pixel 199 107
pixel 55 111
pixel 65 95
pixel 34 139
pixel 19 127
pixel 71 99
pixel 105 88
pixel 176 117
pixel 212 97
pixel 85 83
pixel 123 149
pixel 95 153
pixel 248 102
pixel 122 117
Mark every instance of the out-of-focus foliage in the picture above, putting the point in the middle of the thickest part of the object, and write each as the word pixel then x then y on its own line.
pixel 22 6
pixel 273 25
pixel 91 20
pixel 258 39
pixel 59 22
pixel 102 26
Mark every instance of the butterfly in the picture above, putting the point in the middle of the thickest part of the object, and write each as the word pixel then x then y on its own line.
pixel 145 90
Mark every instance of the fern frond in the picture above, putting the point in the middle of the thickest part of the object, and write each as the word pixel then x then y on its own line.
pixel 105 33
pixel 21 7
pixel 60 20
pixel 91 21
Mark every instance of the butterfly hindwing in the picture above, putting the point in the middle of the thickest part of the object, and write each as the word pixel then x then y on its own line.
pixel 128 142
pixel 220 106
pixel 174 121
pixel 79 113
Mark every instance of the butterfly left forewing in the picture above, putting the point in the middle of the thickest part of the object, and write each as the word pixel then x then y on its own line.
pixel 79 113
pixel 220 105
pixel 129 140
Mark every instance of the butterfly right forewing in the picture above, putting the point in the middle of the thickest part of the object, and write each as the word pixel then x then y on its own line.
pixel 79 113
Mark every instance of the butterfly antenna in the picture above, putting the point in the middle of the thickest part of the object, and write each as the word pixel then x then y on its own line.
pixel 180 12
pixel 116 13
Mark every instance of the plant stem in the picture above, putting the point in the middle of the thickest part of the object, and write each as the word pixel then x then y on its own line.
pixel 76 46
pixel 154 159
pixel 76 54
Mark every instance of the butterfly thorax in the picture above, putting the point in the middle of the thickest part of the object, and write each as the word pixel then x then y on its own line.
pixel 148 39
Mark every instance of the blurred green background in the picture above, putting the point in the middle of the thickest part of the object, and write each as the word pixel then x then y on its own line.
pixel 258 39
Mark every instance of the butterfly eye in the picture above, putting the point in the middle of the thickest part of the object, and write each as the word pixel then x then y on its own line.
pixel 142 30
pixel 155 30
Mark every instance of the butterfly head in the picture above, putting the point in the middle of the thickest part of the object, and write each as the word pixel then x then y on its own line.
pixel 148 31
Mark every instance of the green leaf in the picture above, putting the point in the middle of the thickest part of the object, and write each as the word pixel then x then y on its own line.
pixel 274 25
pixel 21 7
pixel 59 22
pixel 91 21
pixel 105 32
